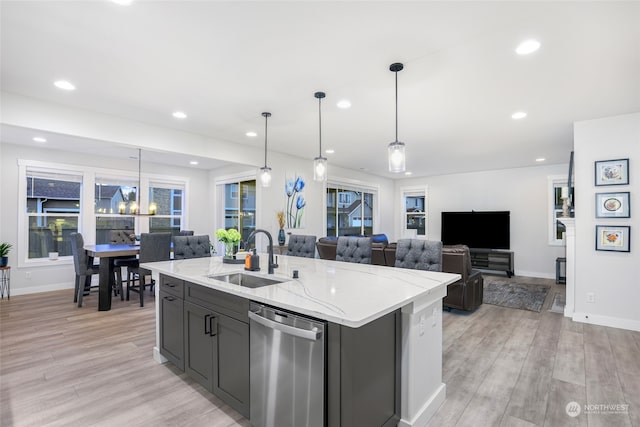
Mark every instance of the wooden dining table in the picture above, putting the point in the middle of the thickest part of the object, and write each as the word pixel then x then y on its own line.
pixel 107 254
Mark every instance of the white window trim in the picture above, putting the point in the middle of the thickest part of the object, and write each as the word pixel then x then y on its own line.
pixel 86 218
pixel 552 182
pixel 413 190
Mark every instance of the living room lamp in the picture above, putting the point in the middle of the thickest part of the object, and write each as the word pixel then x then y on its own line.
pixel 320 162
pixel 397 158
pixel 265 172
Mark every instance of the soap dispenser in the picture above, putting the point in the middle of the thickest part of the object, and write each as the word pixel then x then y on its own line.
pixel 252 262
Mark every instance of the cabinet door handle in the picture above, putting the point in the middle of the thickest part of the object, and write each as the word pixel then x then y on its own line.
pixel 213 326
pixel 207 323
pixel 171 285
pixel 170 298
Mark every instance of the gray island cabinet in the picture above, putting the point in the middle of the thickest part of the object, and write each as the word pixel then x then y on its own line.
pixel 383 364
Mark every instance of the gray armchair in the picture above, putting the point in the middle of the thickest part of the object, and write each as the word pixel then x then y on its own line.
pixel 191 247
pixel 419 254
pixel 302 246
pixel 354 249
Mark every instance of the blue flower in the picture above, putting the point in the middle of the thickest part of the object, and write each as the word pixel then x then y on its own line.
pixel 289 187
pixel 299 184
pixel 300 203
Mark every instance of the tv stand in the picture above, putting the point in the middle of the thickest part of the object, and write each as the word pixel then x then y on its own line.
pixel 492 259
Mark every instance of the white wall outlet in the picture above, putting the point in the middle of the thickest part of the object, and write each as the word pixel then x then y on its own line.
pixel 27 275
pixel 591 297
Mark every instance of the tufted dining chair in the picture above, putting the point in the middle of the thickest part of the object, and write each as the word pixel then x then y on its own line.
pixel 191 247
pixel 302 246
pixel 419 254
pixel 186 233
pixel 354 249
pixel 84 267
pixel 153 247
pixel 122 237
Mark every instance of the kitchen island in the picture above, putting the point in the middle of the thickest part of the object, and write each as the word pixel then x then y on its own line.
pixel 352 298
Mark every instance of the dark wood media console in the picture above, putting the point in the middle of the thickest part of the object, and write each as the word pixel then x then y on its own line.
pixel 492 259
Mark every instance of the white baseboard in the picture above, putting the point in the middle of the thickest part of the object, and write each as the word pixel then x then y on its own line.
pixel 43 288
pixel 614 322
pixel 428 409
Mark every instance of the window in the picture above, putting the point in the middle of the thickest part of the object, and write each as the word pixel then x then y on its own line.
pixel 109 193
pixel 169 198
pixel 349 212
pixel 240 207
pixel 556 228
pixel 53 210
pixel 415 214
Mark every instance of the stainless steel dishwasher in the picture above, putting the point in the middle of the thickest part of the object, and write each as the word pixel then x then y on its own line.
pixel 287 369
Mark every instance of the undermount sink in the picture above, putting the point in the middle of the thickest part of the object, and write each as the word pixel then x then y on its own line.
pixel 246 280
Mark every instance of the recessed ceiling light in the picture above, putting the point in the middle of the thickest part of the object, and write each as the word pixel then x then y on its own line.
pixel 251 134
pixel 408 173
pixel 63 84
pixel 527 47
pixel 193 162
pixel 540 159
pixel 344 103
pixel 39 139
pixel 330 151
pixel 518 115
pixel 179 115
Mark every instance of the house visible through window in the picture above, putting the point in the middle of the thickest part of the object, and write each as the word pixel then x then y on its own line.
pixel 169 199
pixel 415 214
pixel 240 207
pixel 109 192
pixel 53 210
pixel 349 212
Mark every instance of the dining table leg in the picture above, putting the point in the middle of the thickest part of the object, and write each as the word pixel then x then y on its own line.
pixel 105 283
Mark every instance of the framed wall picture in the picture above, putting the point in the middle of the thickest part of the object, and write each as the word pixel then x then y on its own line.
pixel 613 238
pixel 612 172
pixel 612 205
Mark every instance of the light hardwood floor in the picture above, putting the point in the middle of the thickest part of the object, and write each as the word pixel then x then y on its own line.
pixel 66 366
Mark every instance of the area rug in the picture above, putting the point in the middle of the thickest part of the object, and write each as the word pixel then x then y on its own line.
pixel 513 295
pixel 558 303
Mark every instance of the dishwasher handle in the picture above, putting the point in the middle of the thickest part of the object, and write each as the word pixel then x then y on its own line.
pixel 312 335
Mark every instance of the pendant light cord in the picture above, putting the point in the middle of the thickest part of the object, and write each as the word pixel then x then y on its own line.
pixel 265 139
pixel 139 174
pixel 320 125
pixel 396 106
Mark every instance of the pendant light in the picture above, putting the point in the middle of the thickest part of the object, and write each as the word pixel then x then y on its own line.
pixel 397 157
pixel 265 172
pixel 134 208
pixel 320 162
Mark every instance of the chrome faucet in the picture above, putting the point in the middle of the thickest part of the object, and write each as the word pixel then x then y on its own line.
pixel 271 264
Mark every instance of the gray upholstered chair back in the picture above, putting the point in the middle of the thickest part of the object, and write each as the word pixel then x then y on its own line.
pixel 303 246
pixel 80 258
pixel 120 237
pixel 191 247
pixel 186 233
pixel 419 254
pixel 354 249
pixel 155 247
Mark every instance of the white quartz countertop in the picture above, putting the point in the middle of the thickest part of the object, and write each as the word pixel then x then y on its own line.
pixel 339 292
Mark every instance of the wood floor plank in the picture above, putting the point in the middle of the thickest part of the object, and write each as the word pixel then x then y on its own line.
pixel 562 394
pixel 531 392
pixel 603 385
pixel 569 363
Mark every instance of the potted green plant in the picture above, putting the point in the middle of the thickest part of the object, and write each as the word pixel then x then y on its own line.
pixel 230 238
pixel 5 248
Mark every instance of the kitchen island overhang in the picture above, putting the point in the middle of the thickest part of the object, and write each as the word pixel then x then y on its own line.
pixel 352 295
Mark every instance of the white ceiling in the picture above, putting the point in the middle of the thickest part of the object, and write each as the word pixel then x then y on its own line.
pixel 223 63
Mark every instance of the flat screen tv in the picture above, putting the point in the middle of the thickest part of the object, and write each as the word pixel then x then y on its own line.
pixel 479 230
